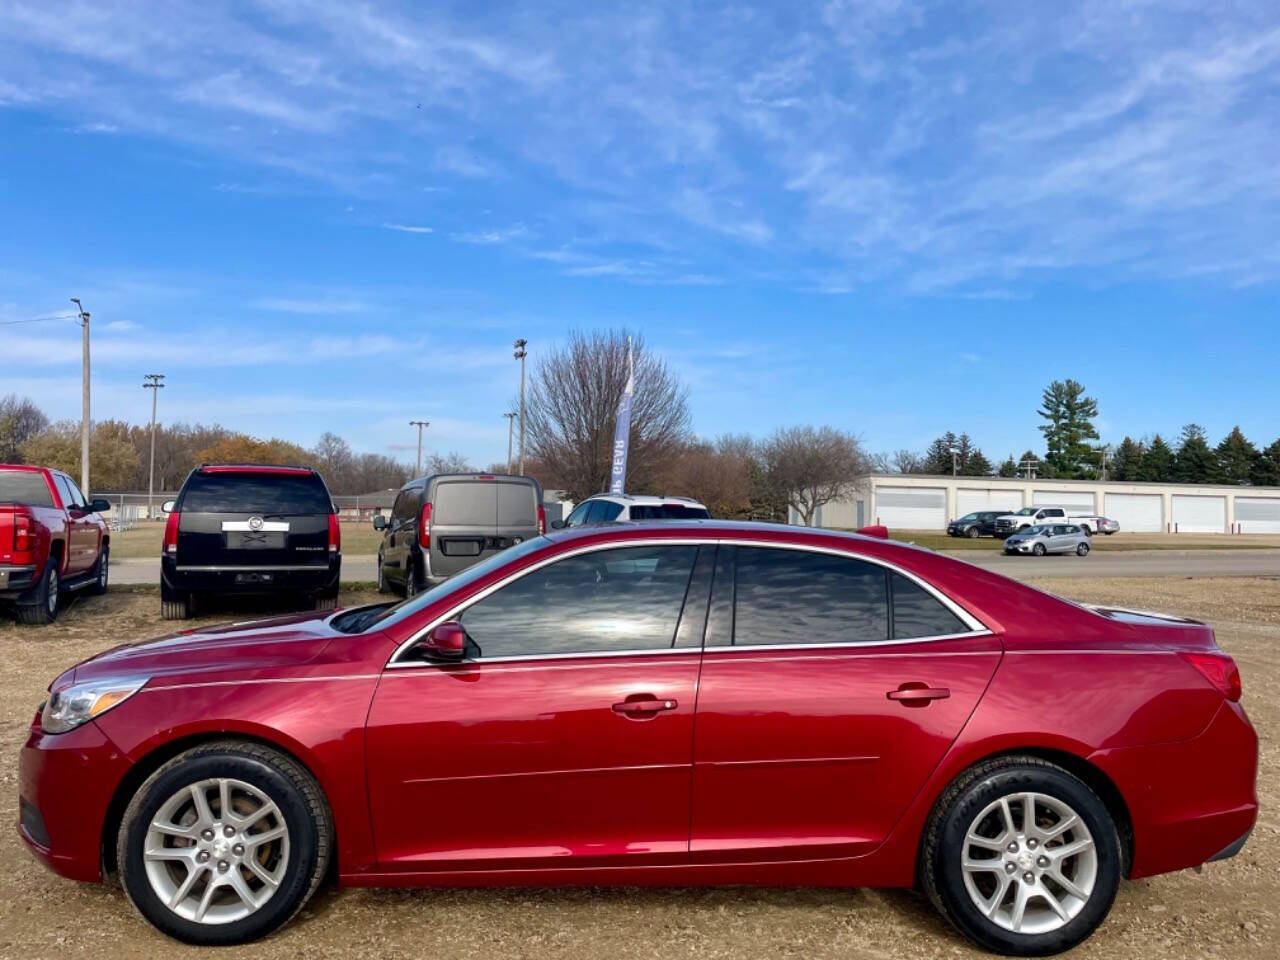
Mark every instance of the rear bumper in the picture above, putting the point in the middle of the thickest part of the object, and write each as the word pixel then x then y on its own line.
pixel 230 579
pixel 15 580
pixel 65 786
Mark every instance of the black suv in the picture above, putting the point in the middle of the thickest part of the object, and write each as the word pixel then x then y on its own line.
pixel 980 524
pixel 250 529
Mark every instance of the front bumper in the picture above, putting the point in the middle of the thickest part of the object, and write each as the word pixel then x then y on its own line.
pixel 1020 547
pixel 65 785
pixel 224 580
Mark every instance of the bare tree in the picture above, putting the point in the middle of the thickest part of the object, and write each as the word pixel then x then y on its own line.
pixel 812 467
pixel 451 462
pixel 572 409
pixel 719 479
pixel 20 420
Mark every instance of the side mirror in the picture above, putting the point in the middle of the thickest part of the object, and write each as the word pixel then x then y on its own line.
pixel 379 522
pixel 100 505
pixel 557 524
pixel 168 506
pixel 446 643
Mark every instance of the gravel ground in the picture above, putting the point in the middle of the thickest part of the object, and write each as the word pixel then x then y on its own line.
pixel 1231 910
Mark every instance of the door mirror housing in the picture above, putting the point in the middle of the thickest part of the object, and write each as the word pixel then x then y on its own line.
pixel 99 505
pixel 557 524
pixel 446 643
pixel 379 522
pixel 168 506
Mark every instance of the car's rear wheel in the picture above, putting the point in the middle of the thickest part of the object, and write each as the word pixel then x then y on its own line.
pixel 224 843
pixel 412 581
pixel 1082 549
pixel 1038 549
pixel 973 533
pixel 178 609
pixel 100 580
pixel 1022 857
pixel 43 607
pixel 324 603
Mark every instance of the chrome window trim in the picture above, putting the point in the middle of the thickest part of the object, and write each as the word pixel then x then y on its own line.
pixel 977 627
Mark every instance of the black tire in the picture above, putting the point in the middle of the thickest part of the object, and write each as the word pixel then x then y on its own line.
pixel 412 581
pixel 43 608
pixel 102 572
pixel 178 609
pixel 324 603
pixel 1082 550
pixel 382 578
pixel 1038 549
pixel 973 533
pixel 944 843
pixel 295 793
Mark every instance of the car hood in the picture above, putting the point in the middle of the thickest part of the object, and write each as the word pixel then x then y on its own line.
pixel 259 644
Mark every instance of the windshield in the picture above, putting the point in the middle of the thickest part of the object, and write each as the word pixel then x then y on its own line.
pixel 971 516
pixel 380 616
pixel 1037 530
pixel 1027 511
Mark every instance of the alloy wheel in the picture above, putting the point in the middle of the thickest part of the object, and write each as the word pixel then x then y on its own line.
pixel 51 595
pixel 1029 863
pixel 216 851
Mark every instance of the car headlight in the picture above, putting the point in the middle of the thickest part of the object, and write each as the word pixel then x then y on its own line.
pixel 79 703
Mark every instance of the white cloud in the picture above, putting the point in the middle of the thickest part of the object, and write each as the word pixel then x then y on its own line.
pixel 408 228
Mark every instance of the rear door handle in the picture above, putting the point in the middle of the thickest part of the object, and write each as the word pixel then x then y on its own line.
pixel 918 694
pixel 640 709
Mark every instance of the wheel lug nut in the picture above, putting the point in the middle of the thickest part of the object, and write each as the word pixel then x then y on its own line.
pixel 223 867
pixel 1010 867
pixel 1028 877
pixel 1013 847
pixel 238 850
pixel 203 856
pixel 1042 861
pixel 206 834
pixel 1031 844
pixel 228 831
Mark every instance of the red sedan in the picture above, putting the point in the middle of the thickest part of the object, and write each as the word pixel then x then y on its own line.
pixel 701 703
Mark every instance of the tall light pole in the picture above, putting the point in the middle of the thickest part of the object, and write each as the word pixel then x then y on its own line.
pixel 84 397
pixel 419 424
pixel 955 460
pixel 511 422
pixel 155 386
pixel 520 355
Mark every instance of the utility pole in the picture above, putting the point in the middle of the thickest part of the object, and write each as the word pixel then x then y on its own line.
pixel 155 386
pixel 511 422
pixel 419 424
pixel 955 460
pixel 84 398
pixel 520 354
pixel 1105 451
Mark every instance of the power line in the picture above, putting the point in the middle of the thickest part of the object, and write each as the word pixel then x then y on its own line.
pixel 61 316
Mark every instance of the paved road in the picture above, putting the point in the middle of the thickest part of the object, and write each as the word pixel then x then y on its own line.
pixel 1127 563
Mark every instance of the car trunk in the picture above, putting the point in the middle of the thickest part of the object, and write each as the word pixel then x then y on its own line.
pixel 1175 632
pixel 473 519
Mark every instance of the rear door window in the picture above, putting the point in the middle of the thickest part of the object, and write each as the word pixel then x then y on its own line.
pixel 517 505
pixel 465 504
pixel 24 486
pixel 918 613
pixel 283 494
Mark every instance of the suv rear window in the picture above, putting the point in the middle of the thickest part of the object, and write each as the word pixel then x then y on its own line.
pixel 668 511
pixel 264 493
pixel 23 486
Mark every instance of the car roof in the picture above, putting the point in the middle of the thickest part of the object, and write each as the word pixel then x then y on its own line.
pixel 643 498
pixel 715 529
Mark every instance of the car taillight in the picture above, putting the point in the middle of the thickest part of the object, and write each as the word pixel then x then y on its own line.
pixel 23 539
pixel 542 519
pixel 335 534
pixel 1220 670
pixel 424 527
pixel 171 534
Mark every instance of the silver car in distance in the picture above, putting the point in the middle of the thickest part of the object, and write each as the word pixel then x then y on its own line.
pixel 1049 538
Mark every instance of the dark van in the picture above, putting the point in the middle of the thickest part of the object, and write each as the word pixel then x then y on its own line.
pixel 441 525
pixel 250 529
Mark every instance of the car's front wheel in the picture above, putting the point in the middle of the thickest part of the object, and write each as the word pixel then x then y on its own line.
pixel 102 573
pixel 224 843
pixel 973 533
pixel 1038 549
pixel 1022 857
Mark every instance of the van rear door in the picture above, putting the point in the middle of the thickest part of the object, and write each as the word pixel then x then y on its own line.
pixel 253 518
pixel 475 517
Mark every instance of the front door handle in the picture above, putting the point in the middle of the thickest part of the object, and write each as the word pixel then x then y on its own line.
pixel 643 707
pixel 918 694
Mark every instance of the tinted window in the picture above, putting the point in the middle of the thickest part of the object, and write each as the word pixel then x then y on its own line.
pixel 264 493
pixel 517 504
pixel 77 497
pixel 64 492
pixel 406 506
pixel 468 503
pixel 668 511
pixel 624 599
pixel 603 511
pixel 917 613
pixel 791 596
pixel 21 486
pixel 579 515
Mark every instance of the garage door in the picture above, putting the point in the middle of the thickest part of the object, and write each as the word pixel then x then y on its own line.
pixel 1200 514
pixel 1258 514
pixel 1135 512
pixel 972 500
pixel 1074 500
pixel 911 508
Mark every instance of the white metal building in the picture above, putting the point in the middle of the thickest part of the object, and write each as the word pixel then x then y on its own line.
pixel 927 502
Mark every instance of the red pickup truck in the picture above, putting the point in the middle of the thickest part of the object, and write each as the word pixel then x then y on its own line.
pixel 52 540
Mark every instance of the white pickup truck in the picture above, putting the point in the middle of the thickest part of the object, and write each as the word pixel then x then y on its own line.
pixel 1030 516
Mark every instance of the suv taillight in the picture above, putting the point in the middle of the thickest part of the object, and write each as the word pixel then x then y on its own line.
pixel 335 534
pixel 171 534
pixel 424 527
pixel 1220 670
pixel 23 540
pixel 542 519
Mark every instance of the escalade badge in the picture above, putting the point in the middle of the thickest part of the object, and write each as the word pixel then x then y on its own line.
pixel 255 523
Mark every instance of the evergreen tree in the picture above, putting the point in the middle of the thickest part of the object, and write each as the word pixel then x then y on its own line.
pixel 977 465
pixel 1195 462
pixel 937 458
pixel 1157 462
pixel 1236 457
pixel 1126 464
pixel 1069 428
pixel 1266 469
pixel 1009 468
pixel 1041 468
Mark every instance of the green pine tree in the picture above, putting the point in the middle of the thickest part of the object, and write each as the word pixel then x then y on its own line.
pixel 1266 469
pixel 1194 462
pixel 1236 457
pixel 1126 463
pixel 1009 468
pixel 1157 462
pixel 1069 429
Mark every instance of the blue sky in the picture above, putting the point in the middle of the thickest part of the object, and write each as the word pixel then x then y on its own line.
pixel 894 217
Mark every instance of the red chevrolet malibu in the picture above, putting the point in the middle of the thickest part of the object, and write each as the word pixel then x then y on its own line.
pixel 695 703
